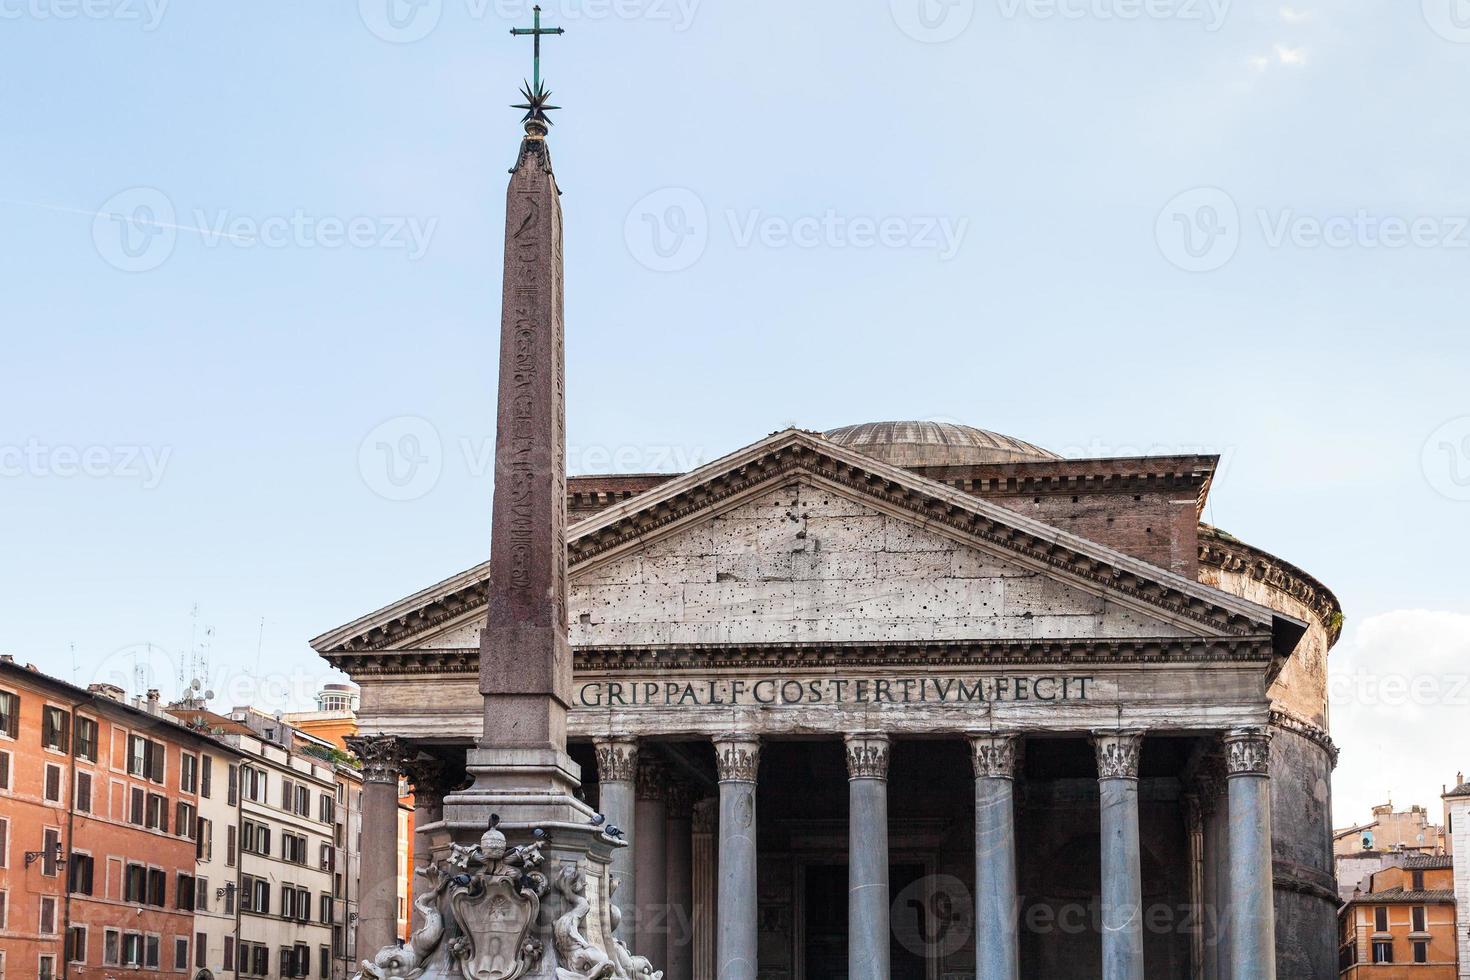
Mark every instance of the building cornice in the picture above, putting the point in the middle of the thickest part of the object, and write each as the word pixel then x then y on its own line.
pixel 804 656
pixel 1219 549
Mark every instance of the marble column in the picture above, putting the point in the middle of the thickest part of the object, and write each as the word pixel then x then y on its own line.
pixel 426 778
pixel 651 861
pixel 1215 913
pixel 1194 829
pixel 737 757
pixel 868 928
pixel 377 901
pixel 997 946
pixel 706 886
pixel 678 960
pixel 1252 893
pixel 1122 864
pixel 617 771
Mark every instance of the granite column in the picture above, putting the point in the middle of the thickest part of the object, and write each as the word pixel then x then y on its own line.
pixel 868 928
pixel 678 850
pixel 1122 864
pixel 737 758
pixel 650 861
pixel 617 772
pixel 377 901
pixel 997 954
pixel 1252 891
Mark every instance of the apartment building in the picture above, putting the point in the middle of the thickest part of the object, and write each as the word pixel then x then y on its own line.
pixel 1457 827
pixel 283 848
pixel 99 802
pixel 1403 925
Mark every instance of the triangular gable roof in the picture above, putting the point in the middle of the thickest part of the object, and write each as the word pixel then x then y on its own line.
pixel 726 481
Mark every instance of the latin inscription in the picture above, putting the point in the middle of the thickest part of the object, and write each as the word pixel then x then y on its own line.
pixel 791 692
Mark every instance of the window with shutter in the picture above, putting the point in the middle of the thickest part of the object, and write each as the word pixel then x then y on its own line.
pixel 85 738
pixel 53 784
pixel 9 714
pixel 206 776
pixel 83 799
pixel 55 729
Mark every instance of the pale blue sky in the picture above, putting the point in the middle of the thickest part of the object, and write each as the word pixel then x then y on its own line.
pixel 965 210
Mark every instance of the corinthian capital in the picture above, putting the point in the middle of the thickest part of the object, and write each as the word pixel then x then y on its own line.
pixel 738 758
pixel 617 759
pixel 994 756
pixel 1117 754
pixel 867 756
pixel 1248 752
pixel 381 756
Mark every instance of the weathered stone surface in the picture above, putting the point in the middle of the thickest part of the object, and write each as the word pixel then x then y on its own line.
pixel 803 563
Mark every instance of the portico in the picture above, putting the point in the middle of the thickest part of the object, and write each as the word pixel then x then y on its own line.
pixel 856 722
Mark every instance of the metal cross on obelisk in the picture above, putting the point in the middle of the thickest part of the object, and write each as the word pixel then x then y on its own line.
pixel 536 33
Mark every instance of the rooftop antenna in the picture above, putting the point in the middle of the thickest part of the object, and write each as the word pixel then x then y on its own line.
pixel 74 668
pixel 259 645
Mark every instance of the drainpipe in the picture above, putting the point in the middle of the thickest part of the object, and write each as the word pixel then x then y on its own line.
pixel 71 822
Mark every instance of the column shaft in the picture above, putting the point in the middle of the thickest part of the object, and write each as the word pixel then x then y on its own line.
pixel 997 954
pixel 617 770
pixel 738 759
pixel 868 927
pixel 1252 893
pixel 678 960
pixel 651 862
pixel 706 886
pixel 1122 869
pixel 377 902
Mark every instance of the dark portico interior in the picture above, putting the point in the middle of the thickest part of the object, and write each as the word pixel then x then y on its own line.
pixel 803 839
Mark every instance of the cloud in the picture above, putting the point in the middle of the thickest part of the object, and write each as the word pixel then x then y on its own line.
pixel 1291 15
pixel 1400 695
pixel 1290 56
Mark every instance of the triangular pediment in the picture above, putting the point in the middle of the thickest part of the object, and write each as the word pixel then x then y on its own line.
pixel 785 534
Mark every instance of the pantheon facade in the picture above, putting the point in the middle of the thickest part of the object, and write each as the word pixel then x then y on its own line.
pixel 912 700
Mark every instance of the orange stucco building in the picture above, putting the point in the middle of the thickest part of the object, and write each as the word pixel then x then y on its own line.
pixel 98 820
pixel 1403 926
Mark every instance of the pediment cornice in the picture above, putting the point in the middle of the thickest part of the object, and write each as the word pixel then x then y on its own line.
pixel 803 656
pixel 726 482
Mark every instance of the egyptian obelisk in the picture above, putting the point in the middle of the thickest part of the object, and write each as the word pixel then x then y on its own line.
pixel 521 767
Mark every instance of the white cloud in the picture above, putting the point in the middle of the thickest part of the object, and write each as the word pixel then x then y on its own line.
pixel 1292 15
pixel 1291 56
pixel 1400 689
pixel 1260 63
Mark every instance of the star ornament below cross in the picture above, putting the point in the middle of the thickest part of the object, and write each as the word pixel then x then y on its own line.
pixel 537 103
